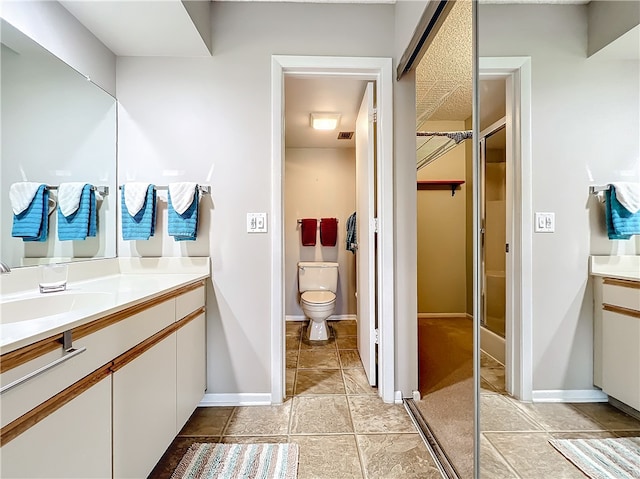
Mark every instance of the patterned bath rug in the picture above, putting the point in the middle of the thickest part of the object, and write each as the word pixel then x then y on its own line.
pixel 238 461
pixel 615 458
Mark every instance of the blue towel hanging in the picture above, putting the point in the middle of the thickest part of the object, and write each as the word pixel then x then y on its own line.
pixel 82 223
pixel 142 225
pixel 621 223
pixel 33 223
pixel 184 227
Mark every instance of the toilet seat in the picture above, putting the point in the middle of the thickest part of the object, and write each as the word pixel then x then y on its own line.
pixel 318 298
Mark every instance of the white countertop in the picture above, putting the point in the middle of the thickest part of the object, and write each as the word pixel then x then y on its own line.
pixel 115 292
pixel 619 267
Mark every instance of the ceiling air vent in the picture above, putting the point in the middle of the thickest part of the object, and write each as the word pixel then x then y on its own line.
pixel 345 135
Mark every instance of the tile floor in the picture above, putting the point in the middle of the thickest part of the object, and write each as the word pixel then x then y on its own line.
pixel 514 438
pixel 342 427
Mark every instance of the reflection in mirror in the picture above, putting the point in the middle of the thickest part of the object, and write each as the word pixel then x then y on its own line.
pixel 564 77
pixel 444 99
pixel 57 127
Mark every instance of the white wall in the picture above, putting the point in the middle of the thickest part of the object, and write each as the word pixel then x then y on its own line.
pixel 319 183
pixel 585 121
pixel 407 16
pixel 208 120
pixel 53 27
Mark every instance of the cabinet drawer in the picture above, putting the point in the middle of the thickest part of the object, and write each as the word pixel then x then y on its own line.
pixel 102 346
pixel 624 294
pixel 621 357
pixel 190 301
pixel 73 442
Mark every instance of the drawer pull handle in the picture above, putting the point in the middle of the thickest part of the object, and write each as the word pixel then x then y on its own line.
pixel 70 354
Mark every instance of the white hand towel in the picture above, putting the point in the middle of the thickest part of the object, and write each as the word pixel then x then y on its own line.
pixel 21 195
pixel 69 195
pixel 135 194
pixel 182 195
pixel 628 195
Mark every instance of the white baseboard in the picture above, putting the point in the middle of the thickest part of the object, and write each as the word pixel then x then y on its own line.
pixel 236 399
pixel 335 317
pixel 492 344
pixel 442 315
pixel 569 395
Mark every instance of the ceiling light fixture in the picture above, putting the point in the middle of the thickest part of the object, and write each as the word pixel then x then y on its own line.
pixel 324 121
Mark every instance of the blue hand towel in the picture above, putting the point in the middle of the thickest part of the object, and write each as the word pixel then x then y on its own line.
pixel 351 233
pixel 82 223
pixel 33 223
pixel 621 223
pixel 184 227
pixel 142 225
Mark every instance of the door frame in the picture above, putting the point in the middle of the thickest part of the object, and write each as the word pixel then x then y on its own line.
pixel 375 69
pixel 516 71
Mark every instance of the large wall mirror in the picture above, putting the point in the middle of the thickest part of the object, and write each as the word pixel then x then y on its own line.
pixel 56 126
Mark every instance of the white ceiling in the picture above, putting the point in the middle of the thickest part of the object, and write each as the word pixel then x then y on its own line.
pixel 323 95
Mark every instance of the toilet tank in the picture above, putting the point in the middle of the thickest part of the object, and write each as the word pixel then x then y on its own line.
pixel 317 276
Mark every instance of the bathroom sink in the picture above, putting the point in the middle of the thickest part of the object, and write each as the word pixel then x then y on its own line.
pixel 33 307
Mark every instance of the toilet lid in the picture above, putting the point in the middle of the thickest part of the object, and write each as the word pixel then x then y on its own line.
pixel 318 297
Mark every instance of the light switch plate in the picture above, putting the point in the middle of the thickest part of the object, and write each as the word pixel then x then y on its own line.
pixel 545 222
pixel 256 222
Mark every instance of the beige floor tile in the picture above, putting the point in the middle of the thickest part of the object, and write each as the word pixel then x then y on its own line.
pixel 492 464
pixel 319 381
pixel 371 415
pixel 254 439
pixel 349 358
pixel 487 387
pixel 356 382
pixel 291 381
pixel 583 435
pixel 489 362
pixel 396 456
pixel 329 344
pixel 292 343
pixel 495 377
pixel 347 342
pixel 318 359
pixel 497 413
pixel 320 415
pixel 532 457
pixel 207 421
pixel 344 328
pixel 608 416
pixel 558 416
pixel 627 433
pixel 324 457
pixel 291 359
pixel 294 328
pixel 259 420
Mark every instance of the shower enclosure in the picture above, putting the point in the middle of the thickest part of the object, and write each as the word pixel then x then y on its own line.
pixel 493 224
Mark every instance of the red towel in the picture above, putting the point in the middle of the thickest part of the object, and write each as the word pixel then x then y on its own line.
pixel 308 226
pixel 328 231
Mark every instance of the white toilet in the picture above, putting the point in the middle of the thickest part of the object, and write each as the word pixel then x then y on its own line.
pixel 317 283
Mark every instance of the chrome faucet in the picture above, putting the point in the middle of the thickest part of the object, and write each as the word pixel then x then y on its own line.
pixel 4 268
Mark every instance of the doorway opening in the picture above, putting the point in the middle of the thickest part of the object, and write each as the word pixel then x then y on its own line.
pixel 378 71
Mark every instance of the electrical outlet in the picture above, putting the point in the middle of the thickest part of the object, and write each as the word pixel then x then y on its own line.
pixel 256 222
pixel 545 222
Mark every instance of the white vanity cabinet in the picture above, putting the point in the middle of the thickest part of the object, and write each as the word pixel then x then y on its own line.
pixel 621 340
pixel 112 410
pixel 144 409
pixel 72 442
